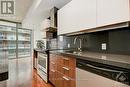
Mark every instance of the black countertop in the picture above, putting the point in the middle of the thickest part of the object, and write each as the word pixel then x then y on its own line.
pixel 122 61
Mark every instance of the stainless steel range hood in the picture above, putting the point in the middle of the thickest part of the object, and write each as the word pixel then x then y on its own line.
pixel 51 31
pixel 53 17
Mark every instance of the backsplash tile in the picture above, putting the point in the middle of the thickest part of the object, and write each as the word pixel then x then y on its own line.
pixel 117 41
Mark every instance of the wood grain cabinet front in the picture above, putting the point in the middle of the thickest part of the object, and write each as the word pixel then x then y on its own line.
pixel 66 71
pixel 52 76
pixel 64 81
pixel 68 82
pixel 52 69
pixel 65 61
pixel 62 70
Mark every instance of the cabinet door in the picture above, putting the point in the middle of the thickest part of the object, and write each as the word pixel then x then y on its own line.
pixel 66 61
pixel 77 15
pixel 64 81
pixel 68 82
pixel 112 12
pixel 69 72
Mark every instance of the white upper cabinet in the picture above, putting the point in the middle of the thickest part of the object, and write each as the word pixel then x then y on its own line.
pixel 77 15
pixel 112 12
pixel 87 14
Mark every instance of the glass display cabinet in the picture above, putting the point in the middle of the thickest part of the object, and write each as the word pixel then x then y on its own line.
pixel 16 42
pixel 24 42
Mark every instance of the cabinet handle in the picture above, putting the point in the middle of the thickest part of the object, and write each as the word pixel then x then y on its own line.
pixel 53 70
pixel 65 59
pixel 53 63
pixel 65 78
pixel 65 68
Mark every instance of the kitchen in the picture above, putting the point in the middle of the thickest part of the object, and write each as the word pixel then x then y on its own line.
pixel 80 44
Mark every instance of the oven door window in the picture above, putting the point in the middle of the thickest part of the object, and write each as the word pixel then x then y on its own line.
pixel 42 61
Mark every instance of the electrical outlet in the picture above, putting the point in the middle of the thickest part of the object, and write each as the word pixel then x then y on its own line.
pixel 68 45
pixel 104 46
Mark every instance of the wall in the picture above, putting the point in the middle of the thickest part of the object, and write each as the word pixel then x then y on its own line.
pixel 118 41
pixel 34 18
pixel 40 10
pixel 36 30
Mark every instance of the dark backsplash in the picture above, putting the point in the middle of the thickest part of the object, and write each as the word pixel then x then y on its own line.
pixel 117 40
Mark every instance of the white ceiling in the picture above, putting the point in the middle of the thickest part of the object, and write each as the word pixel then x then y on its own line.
pixel 21 8
pixel 60 3
pixel 34 9
pixel 40 9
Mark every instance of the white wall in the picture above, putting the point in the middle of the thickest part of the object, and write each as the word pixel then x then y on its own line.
pixel 36 30
pixel 33 21
pixel 39 11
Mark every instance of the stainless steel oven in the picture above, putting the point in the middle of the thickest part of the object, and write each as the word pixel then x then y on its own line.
pixel 43 65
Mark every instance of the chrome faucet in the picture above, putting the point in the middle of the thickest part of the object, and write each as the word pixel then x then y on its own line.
pixel 80 44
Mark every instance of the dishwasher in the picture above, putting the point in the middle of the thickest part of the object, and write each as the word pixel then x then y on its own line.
pixel 93 74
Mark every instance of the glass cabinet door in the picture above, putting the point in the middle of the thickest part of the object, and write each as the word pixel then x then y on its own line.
pixel 24 42
pixel 16 42
pixel 8 40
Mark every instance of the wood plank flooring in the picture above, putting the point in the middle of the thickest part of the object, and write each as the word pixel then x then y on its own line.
pixel 38 82
pixel 22 74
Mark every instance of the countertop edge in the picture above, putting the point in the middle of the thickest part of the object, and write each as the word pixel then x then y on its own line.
pixel 107 62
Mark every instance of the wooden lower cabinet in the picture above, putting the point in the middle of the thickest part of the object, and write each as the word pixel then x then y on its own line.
pixel 59 80
pixel 64 81
pixel 52 77
pixel 62 75
pixel 69 72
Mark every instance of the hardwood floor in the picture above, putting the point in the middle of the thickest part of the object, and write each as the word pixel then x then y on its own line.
pixel 22 74
pixel 38 82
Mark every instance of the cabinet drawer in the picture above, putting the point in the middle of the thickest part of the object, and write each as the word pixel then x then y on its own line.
pixel 67 82
pixel 66 71
pixel 64 81
pixel 68 62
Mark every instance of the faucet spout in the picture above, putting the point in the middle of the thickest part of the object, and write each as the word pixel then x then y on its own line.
pixel 80 44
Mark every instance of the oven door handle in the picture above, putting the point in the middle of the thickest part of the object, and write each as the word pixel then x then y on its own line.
pixel 103 69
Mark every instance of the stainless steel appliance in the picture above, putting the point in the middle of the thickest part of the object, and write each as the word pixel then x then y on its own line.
pixel 92 74
pixel 43 65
